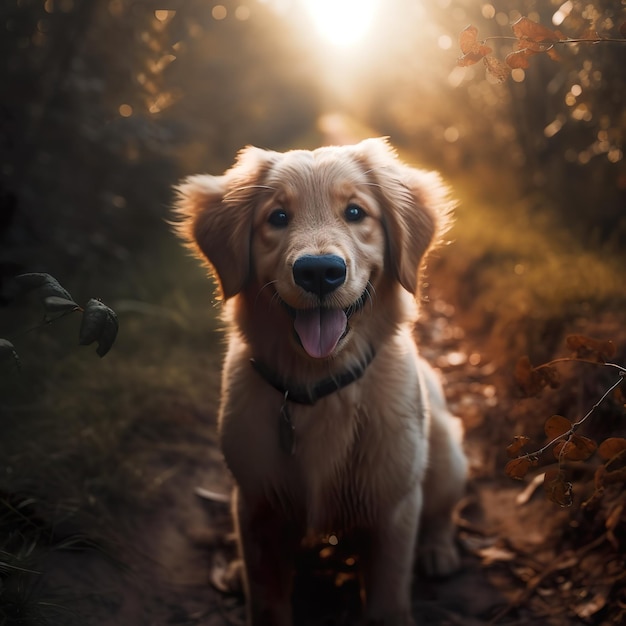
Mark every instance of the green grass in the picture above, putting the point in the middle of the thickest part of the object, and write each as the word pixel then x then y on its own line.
pixel 514 260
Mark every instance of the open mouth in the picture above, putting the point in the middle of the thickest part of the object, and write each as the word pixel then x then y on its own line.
pixel 320 329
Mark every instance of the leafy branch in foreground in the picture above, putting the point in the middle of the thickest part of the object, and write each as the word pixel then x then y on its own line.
pixel 530 38
pixel 562 434
pixel 99 322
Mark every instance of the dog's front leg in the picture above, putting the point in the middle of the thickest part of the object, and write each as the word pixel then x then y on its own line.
pixel 267 542
pixel 389 564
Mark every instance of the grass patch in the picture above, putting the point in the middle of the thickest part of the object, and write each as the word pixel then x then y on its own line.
pixel 87 443
pixel 516 268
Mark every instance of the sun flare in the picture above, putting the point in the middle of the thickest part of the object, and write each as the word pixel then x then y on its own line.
pixel 342 22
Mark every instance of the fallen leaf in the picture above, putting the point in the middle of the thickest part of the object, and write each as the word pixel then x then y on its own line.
pixel 213 496
pixel 589 608
pixel 524 496
pixel 495 554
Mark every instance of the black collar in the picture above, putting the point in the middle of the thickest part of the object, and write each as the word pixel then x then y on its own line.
pixel 310 395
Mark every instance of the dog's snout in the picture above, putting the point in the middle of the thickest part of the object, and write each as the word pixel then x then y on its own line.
pixel 319 274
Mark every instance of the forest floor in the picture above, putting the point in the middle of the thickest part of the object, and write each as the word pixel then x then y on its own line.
pixel 164 557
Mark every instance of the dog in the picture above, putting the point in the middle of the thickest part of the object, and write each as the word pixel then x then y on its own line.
pixel 329 420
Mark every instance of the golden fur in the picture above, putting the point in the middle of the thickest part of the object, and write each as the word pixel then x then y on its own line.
pixel 380 456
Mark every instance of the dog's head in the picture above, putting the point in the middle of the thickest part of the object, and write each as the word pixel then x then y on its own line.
pixel 317 231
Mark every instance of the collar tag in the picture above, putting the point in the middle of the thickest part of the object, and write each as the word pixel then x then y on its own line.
pixel 286 429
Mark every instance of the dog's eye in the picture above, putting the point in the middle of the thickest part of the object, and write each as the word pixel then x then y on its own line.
pixel 278 218
pixel 354 213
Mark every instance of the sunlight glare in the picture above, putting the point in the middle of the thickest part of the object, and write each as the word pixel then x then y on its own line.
pixel 342 22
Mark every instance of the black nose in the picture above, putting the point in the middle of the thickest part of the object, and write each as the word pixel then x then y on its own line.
pixel 319 274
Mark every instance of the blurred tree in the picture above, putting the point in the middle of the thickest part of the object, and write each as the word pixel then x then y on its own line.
pixel 111 100
pixel 557 127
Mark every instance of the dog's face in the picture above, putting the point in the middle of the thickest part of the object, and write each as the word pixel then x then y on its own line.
pixel 318 243
pixel 314 232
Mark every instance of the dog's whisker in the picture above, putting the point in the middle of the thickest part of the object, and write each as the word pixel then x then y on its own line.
pixel 370 295
pixel 265 286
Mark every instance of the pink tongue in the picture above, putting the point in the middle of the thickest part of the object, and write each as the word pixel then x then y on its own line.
pixel 320 330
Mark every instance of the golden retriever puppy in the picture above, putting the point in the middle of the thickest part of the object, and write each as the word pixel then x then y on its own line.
pixel 329 419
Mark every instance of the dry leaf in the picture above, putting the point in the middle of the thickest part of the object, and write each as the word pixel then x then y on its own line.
pixel 496 68
pixel 519 441
pixel 576 448
pixel 495 554
pixel 518 468
pixel 532 380
pixel 558 490
pixel 472 49
pixel 556 426
pixel 519 59
pixel 590 607
pixel 590 349
pixel 531 31
pixel 611 447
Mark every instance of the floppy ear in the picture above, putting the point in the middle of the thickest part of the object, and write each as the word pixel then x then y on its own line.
pixel 215 216
pixel 416 209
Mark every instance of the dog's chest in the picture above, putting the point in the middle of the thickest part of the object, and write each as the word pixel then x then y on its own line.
pixel 353 465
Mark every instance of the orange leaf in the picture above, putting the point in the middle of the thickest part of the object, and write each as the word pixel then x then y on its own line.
pixel 469 59
pixel 576 448
pixel 518 468
pixel 496 68
pixel 519 442
pixel 590 349
pixel 526 29
pixel 472 49
pixel 553 54
pixel 611 447
pixel 556 426
pixel 519 59
pixel 468 39
pixel 532 380
pixel 557 489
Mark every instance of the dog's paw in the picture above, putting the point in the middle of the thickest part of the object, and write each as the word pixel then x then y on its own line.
pixel 227 576
pixel 440 557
